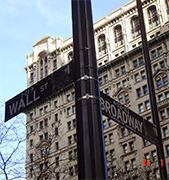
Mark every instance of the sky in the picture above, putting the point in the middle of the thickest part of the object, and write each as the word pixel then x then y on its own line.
pixel 24 22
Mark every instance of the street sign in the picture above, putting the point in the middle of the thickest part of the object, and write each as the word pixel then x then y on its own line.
pixel 39 91
pixel 127 118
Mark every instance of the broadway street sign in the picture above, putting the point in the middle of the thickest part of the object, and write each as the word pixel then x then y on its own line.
pixel 39 91
pixel 127 118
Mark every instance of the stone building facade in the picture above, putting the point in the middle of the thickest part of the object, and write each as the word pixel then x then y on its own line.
pixel 51 151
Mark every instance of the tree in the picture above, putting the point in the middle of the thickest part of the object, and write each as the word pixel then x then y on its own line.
pixel 12 147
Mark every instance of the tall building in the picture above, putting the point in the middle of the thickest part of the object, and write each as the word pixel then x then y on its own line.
pixel 51 151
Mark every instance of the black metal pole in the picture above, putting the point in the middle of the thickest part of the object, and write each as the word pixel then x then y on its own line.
pixel 152 96
pixel 90 142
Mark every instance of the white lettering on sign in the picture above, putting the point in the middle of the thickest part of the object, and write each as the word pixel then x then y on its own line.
pixel 30 97
pixel 121 115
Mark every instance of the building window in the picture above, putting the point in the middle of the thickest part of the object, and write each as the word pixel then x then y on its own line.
pixel 74 123
pixel 56 131
pixel 31 143
pixel 41 72
pixel 167 149
pixel 100 81
pixel 41 167
pixel 104 124
pixel 70 171
pixel 70 155
pixel 135 63
pixel 147 104
pixel 165 80
pixel 127 166
pixel 76 169
pixel 160 51
pixel 41 111
pixel 117 73
pixel 46 109
pixel 32 76
pixel 57 161
pixel 105 140
pixel 55 63
pixel 137 78
pixel 57 176
pixel 145 142
pixel 162 65
pixel 145 89
pixel 107 91
pixel 42 153
pixel 102 45
pixel 123 132
pixel 105 78
pixel 41 137
pixel 157 174
pixel 68 98
pixel 46 136
pixel 143 75
pixel 31 129
pixel 68 111
pixel 158 83
pixel 31 172
pixel 131 146
pixel 111 137
pixel 123 70
pixel 160 97
pixel 46 122
pixel 139 92
pixel 57 145
pixel 70 140
pixel 149 119
pixel 56 117
pixel 127 98
pixel 70 57
pixel 46 70
pixel 124 83
pixel 141 108
pixel 133 161
pixel 31 116
pixel 41 125
pixel 73 109
pixel 118 85
pixel 147 156
pixel 125 148
pixel 110 122
pixel 118 36
pixel 69 125
pixel 162 113
pixel 167 94
pixel 141 60
pixel 112 154
pixel 31 157
pixel 56 103
pixel 165 131
pixel 154 155
pixel 153 55
pixel 75 137
pixel 135 27
pixel 121 100
pixel 73 95
pixel 153 17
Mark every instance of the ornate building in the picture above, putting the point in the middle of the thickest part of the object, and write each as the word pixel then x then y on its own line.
pixel 51 125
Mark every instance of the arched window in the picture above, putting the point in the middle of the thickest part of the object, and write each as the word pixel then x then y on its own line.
pixel 135 27
pixel 153 17
pixel 118 36
pixel 41 62
pixel 70 56
pixel 102 45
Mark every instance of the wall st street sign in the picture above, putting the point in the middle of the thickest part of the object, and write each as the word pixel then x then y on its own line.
pixel 127 118
pixel 39 91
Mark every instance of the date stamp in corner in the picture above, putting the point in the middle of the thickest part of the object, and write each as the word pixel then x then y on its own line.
pixel 147 162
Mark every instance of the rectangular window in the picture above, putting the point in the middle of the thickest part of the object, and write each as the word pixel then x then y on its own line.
pixel 105 140
pixel 106 78
pixel 135 63
pixel 55 63
pixel 68 111
pixel 165 80
pixel 42 153
pixel 73 109
pixel 104 124
pixel 107 91
pixel 153 54
pixel 46 109
pixel 127 166
pixel 121 100
pixel 110 122
pixel 46 122
pixel 167 149
pixel 141 108
pixel 139 92
pixel 147 156
pixel 141 60
pixel 46 136
pixel 127 98
pixel 74 123
pixel 145 142
pixel 125 148
pixel 145 90
pixel 31 143
pixel 131 146
pixel 158 83
pixel 147 105
pixel 124 83
pixel 111 137
pixel 70 171
pixel 70 140
pixel 31 157
pixel 56 103
pixel 117 73
pixel 118 85
pixel 46 70
pixel 75 137
pixel 162 113
pixel 137 78
pixel 68 98
pixel 123 132
pixel 154 155
pixel 56 117
pixel 57 145
pixel 162 64
pixel 56 131
pixel 123 70
pixel 100 81
pixel 165 131
pixel 31 116
pixel 69 125
pixel 143 75
pixel 133 162
pixel 70 155
pixel 112 154
pixel 57 161
pixel 160 51
pixel 73 95
pixel 167 94
pixel 160 97
pixel 41 111
pixel 31 129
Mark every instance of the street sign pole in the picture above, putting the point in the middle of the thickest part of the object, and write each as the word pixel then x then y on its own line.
pixel 152 96
pixel 90 141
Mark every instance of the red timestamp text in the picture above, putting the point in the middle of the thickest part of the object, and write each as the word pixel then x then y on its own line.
pixel 146 162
